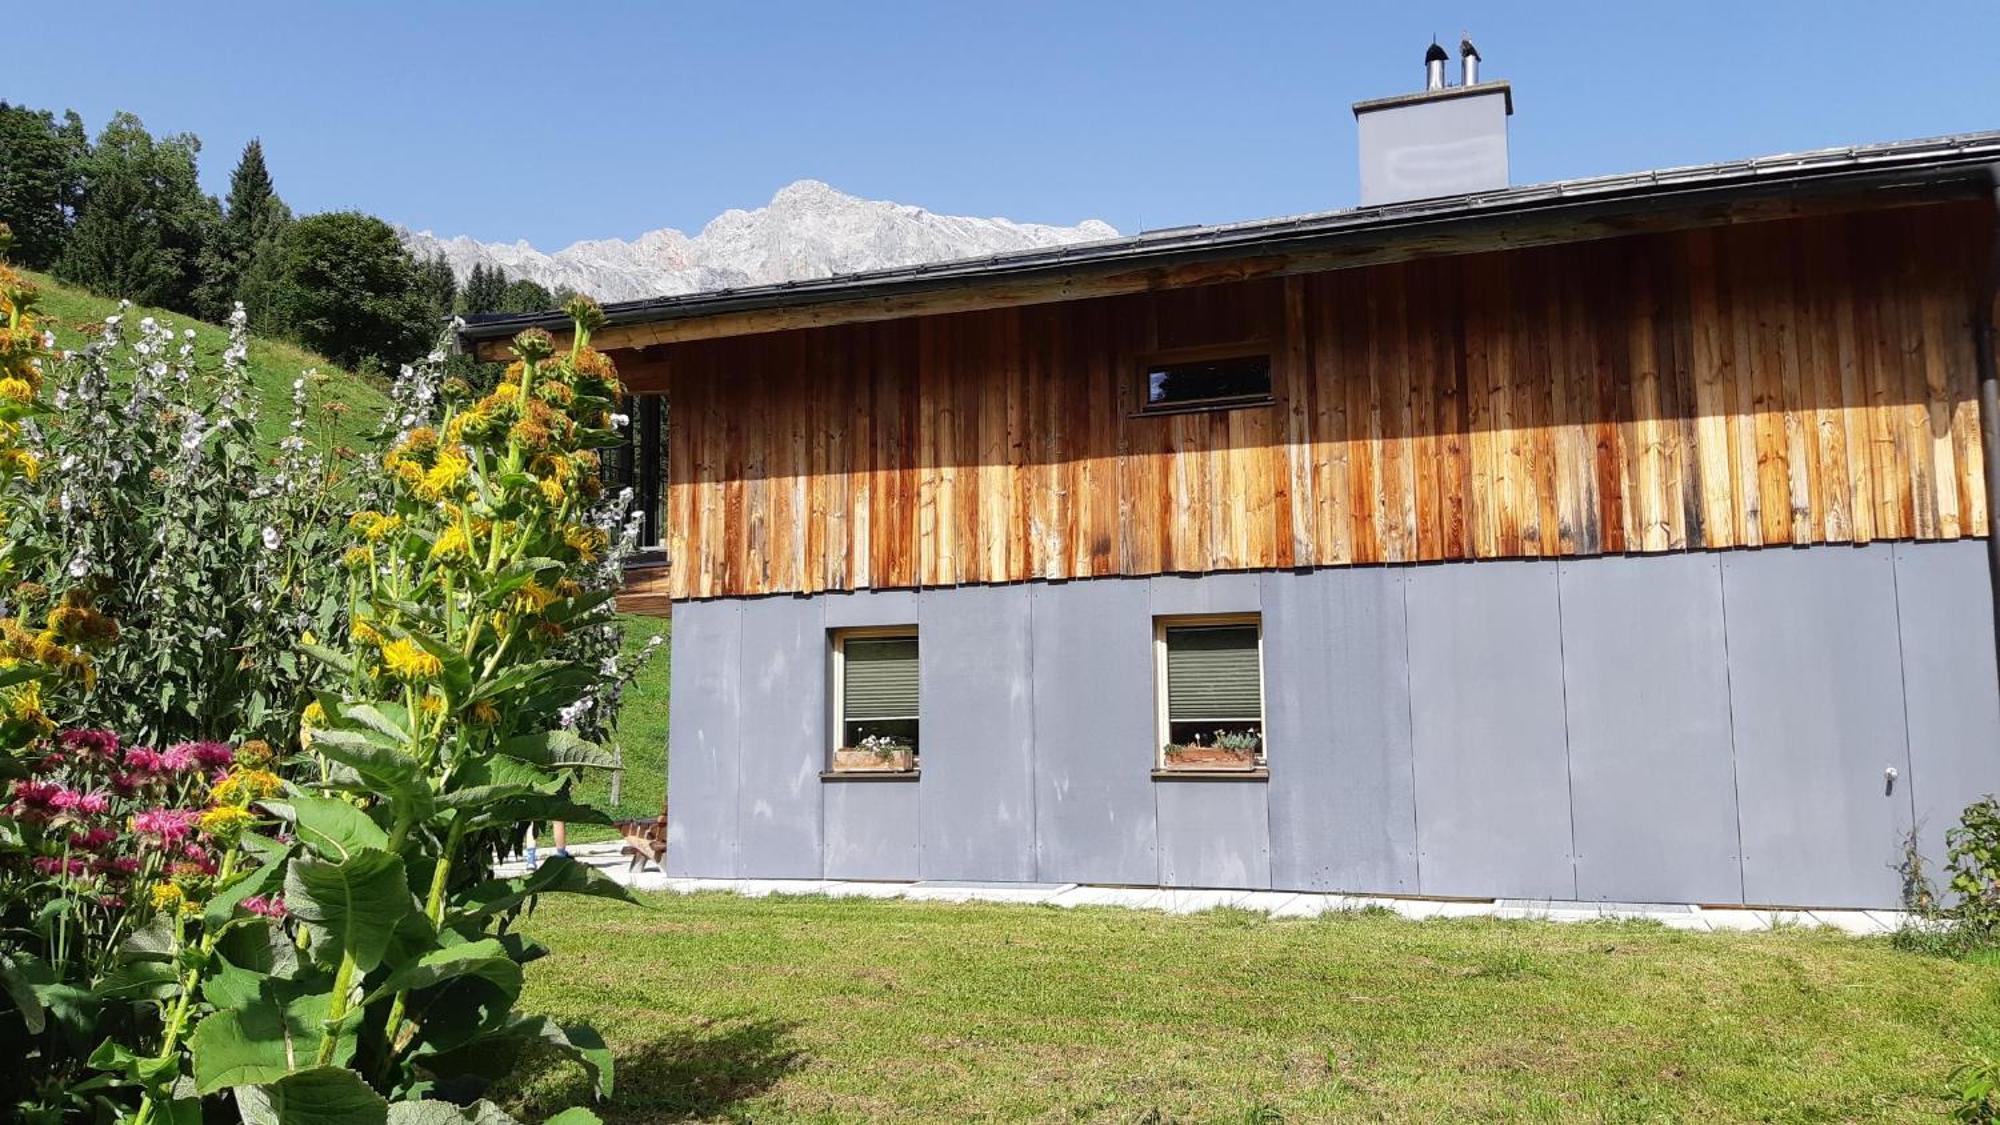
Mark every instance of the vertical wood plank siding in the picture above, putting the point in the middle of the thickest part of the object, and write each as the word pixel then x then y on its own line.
pixel 1793 382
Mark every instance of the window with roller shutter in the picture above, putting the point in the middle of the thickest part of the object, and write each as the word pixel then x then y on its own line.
pixel 1211 683
pixel 876 696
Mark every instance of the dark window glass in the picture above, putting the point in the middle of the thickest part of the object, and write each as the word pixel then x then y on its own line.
pixel 1208 382
pixel 640 464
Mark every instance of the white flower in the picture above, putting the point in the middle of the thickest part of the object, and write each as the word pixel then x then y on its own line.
pixel 272 540
pixel 620 421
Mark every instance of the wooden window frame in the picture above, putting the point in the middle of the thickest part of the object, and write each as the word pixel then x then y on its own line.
pixel 1163 723
pixel 837 714
pixel 1247 349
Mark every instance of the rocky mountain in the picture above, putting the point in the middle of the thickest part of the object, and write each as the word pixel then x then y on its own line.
pixel 808 230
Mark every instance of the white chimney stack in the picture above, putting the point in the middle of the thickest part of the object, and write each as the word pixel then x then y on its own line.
pixel 1442 140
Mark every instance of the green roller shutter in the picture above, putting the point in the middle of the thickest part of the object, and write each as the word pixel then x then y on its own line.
pixel 1212 674
pixel 881 678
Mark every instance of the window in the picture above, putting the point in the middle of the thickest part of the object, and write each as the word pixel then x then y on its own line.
pixel 640 464
pixel 1210 672
pixel 875 700
pixel 1211 382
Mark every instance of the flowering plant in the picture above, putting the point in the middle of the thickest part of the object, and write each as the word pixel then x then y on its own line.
pixel 161 506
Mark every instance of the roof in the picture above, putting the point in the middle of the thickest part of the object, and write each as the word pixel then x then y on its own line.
pixel 1959 164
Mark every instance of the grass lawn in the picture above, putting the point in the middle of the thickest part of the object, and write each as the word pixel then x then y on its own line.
pixel 273 364
pixel 808 1009
pixel 641 737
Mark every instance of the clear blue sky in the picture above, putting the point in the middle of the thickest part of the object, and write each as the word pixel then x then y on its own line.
pixel 559 121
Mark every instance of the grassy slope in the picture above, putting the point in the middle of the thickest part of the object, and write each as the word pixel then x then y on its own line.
pixel 801 1009
pixel 273 364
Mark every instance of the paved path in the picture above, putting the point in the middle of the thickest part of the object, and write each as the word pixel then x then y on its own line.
pixel 1278 904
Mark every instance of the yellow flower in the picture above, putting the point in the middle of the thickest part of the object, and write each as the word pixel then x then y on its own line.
pixel 241 786
pixel 362 633
pixel 363 521
pixel 451 544
pixel 451 468
pixel 314 715
pixel 410 663
pixel 587 542
pixel 430 704
pixel 552 490
pixel 531 597
pixel 166 896
pixel 357 558
pixel 225 821
pixel 19 390
pixel 484 713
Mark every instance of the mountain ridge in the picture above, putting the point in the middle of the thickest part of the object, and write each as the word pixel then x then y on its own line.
pixel 809 229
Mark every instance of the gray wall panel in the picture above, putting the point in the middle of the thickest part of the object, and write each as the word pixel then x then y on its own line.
pixel 870 607
pixel 1093 716
pixel 1816 694
pixel 978 734
pixel 784 738
pixel 1172 594
pixel 1945 595
pixel 1337 718
pixel 1652 774
pixel 1214 834
pixel 702 740
pixel 1486 694
pixel 872 829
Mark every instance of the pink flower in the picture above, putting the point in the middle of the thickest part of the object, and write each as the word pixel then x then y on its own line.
pixel 52 865
pixel 94 840
pixel 165 826
pixel 36 794
pixel 126 784
pixel 272 907
pixel 209 755
pixel 145 759
pixel 111 902
pixel 125 865
pixel 90 743
pixel 88 804
pixel 177 759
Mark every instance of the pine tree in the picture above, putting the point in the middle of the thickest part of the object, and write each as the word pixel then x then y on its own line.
pixel 524 296
pixel 251 223
pixel 483 289
pixel 439 287
pixel 144 222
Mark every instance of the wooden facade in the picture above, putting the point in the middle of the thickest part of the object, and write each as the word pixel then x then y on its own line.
pixel 1799 381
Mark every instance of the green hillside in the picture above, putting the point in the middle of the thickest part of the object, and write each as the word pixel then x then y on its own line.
pixel 273 364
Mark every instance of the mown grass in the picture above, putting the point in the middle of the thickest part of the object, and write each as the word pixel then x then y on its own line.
pixel 360 399
pixel 807 1009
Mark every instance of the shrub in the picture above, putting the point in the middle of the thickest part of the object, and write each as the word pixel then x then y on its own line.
pixel 162 508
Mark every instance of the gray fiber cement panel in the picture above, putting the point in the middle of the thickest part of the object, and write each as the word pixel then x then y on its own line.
pixel 783 741
pixel 1337 718
pixel 1486 697
pixel 978 734
pixel 1093 685
pixel 1945 597
pixel 1652 774
pixel 1817 698
pixel 1214 833
pixel 702 741
pixel 872 829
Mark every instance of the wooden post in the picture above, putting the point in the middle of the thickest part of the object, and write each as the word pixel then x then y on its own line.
pixel 617 776
pixel 1984 346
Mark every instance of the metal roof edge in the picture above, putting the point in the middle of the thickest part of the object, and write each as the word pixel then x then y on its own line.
pixel 1935 160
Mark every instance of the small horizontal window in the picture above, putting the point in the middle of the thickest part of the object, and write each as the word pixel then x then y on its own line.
pixel 875 705
pixel 1203 383
pixel 1211 683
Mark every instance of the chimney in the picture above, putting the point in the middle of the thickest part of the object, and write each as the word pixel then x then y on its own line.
pixel 1442 140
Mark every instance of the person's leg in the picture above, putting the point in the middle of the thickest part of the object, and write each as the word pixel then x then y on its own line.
pixel 561 833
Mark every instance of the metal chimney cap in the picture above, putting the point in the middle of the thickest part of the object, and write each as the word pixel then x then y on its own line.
pixel 1465 48
pixel 1436 54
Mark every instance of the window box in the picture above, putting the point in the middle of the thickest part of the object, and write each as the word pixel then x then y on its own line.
pixel 1199 757
pixel 852 759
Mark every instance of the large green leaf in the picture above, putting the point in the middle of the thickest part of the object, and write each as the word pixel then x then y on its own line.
pixel 561 875
pixel 139 980
pixel 390 720
pixel 14 981
pixel 357 902
pixel 254 882
pixel 574 1115
pixel 328 1095
pixel 556 749
pixel 383 770
pixel 484 958
pixel 264 1040
pixel 519 808
pixel 429 1112
pixel 329 826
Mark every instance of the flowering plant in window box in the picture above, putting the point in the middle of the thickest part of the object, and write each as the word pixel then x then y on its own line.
pixel 877 752
pixel 1226 750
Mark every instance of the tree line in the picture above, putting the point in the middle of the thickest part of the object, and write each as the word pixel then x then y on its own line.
pixel 124 215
